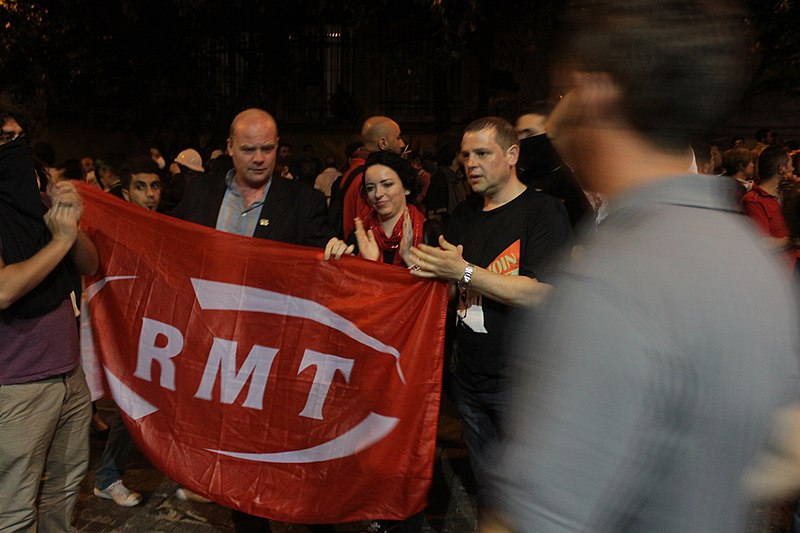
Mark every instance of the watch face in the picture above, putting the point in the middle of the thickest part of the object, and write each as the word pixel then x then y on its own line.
pixel 465 279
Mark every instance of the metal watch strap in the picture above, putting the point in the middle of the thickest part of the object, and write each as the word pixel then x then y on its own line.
pixel 466 279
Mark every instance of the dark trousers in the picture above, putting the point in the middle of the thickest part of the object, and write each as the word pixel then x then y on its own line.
pixel 482 415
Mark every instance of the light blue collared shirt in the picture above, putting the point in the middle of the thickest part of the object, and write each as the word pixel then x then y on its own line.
pixel 234 216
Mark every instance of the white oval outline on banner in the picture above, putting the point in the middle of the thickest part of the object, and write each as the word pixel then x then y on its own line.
pixel 214 295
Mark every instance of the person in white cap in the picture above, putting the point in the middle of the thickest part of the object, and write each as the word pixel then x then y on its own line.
pixel 186 166
pixel 189 158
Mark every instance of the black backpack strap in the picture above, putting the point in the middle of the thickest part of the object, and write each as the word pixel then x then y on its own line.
pixel 351 178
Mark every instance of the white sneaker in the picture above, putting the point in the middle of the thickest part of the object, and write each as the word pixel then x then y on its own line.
pixel 120 494
pixel 186 495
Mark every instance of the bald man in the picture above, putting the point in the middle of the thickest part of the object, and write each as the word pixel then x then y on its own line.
pixel 254 201
pixel 247 200
pixel 377 134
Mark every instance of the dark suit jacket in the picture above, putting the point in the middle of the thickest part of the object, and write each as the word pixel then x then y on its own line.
pixel 297 214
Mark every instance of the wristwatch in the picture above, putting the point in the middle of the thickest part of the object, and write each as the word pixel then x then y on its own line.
pixel 466 279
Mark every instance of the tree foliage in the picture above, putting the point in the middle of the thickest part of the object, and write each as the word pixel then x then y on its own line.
pixel 137 64
pixel 774 23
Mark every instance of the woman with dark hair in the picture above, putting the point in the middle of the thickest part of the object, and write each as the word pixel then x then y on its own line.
pixel 393 226
pixel 394 223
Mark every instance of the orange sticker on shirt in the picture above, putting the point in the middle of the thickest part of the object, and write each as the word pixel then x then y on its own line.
pixel 507 263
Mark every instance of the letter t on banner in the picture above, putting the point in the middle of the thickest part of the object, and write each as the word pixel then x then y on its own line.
pixel 327 365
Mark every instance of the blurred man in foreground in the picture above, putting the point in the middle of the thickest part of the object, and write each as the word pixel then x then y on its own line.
pixel 647 387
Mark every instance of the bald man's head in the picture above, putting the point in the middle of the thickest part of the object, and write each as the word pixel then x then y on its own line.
pixel 253 146
pixel 382 133
pixel 252 114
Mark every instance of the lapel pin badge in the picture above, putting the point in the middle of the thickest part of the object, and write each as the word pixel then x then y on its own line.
pixel 263 222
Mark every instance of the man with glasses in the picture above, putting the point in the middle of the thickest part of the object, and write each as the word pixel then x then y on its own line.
pixel 44 401
pixel 11 130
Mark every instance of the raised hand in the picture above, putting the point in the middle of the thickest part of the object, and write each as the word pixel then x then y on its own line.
pixel 446 262
pixel 62 221
pixel 408 239
pixel 367 247
pixel 65 193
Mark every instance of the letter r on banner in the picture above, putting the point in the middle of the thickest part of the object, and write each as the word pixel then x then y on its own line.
pixel 149 351
pixel 327 365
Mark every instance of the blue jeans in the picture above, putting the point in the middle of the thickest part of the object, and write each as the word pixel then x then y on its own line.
pixel 115 455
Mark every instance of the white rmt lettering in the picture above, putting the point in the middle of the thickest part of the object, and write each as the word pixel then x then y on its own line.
pixel 222 361
pixel 149 351
pixel 327 365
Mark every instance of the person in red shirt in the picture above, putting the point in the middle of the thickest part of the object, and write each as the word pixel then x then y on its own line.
pixel 378 134
pixel 763 204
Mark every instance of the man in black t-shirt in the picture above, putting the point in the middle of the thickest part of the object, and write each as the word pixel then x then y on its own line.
pixel 497 248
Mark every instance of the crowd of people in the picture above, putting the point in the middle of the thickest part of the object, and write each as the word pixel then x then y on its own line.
pixel 607 376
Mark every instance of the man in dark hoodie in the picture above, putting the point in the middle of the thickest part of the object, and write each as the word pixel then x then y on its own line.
pixel 541 168
pixel 44 401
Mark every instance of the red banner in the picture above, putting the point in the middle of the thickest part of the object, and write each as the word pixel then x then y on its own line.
pixel 259 375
